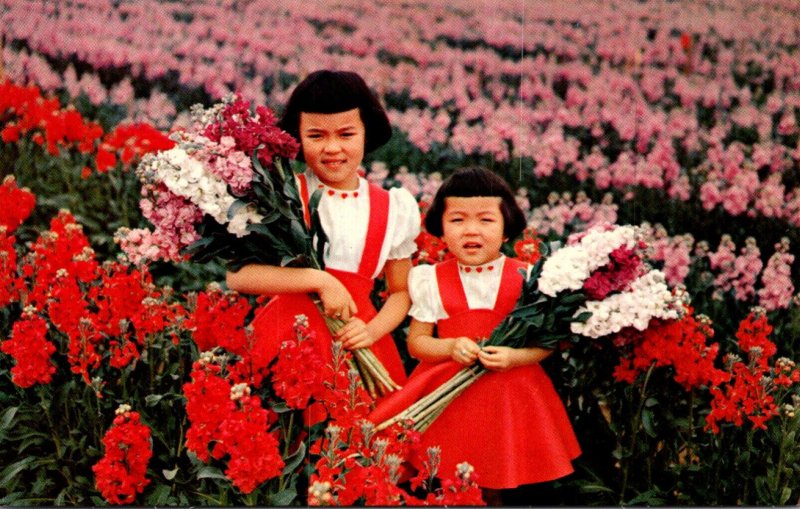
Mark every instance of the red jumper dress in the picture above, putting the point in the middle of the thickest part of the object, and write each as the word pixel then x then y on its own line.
pixel 511 426
pixel 274 323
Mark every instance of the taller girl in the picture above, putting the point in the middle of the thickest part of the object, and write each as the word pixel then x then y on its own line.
pixel 370 231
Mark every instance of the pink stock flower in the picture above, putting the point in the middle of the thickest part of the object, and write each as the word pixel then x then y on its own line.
pixel 777 279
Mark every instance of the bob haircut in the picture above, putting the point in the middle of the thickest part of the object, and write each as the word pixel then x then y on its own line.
pixel 327 91
pixel 475 181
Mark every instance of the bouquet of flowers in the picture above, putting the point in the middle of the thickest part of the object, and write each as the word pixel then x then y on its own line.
pixel 595 286
pixel 225 191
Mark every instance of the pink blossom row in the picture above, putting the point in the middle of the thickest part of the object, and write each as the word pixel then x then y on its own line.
pixel 643 74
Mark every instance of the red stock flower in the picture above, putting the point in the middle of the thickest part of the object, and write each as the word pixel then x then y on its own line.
pixel 250 132
pixel 430 249
pixel 527 249
pixel 254 454
pixel 297 375
pixel 750 393
pixel 51 126
pixel 208 404
pixel 65 247
pixel 121 473
pixel 17 204
pixel 624 266
pixel 11 284
pixel 754 333
pixel 31 351
pixel 680 344
pixel 132 141
pixel 218 320
pixel 105 160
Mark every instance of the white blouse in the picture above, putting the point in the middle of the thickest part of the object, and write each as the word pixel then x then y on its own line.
pixel 481 289
pixel 345 221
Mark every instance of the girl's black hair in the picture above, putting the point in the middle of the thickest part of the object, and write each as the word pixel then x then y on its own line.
pixel 327 91
pixel 471 182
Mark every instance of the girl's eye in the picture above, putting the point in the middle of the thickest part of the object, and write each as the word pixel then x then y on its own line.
pixel 456 220
pixel 488 220
pixel 314 136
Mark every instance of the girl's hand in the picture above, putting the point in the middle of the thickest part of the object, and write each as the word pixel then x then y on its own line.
pixel 464 351
pixel 336 300
pixel 356 334
pixel 497 358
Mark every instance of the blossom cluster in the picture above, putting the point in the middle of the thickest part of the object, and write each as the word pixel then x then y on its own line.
pixel 19 205
pixel 104 310
pixel 208 173
pixel 29 346
pixel 356 465
pixel 25 112
pixel 680 344
pixel 631 105
pixel 121 473
pixel 754 388
pixel 572 265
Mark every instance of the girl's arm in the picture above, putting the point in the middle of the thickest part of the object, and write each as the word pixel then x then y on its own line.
pixel 272 280
pixel 357 334
pixel 501 358
pixel 423 346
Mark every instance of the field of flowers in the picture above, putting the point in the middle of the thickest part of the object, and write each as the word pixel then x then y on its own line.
pixel 681 116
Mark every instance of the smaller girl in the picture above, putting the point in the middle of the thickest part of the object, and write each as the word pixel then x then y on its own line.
pixel 510 424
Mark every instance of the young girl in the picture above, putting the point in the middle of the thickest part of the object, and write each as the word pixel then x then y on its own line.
pixel 510 424
pixel 337 120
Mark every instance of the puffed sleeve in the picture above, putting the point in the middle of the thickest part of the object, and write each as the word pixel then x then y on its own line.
pixel 406 224
pixel 424 293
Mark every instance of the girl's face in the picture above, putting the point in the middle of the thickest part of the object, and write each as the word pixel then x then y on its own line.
pixel 473 228
pixel 333 146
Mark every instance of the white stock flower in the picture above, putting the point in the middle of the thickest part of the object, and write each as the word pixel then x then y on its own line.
pixel 187 177
pixel 649 297
pixel 243 217
pixel 569 267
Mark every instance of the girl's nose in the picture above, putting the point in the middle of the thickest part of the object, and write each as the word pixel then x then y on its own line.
pixel 471 227
pixel 332 147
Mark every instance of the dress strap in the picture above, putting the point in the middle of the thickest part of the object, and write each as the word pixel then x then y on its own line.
pixel 304 198
pixel 376 230
pixel 451 291
pixel 510 286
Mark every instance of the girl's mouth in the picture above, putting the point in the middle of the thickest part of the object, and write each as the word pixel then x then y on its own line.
pixel 472 245
pixel 333 163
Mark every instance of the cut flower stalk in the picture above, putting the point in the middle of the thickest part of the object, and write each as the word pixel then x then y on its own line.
pixel 375 377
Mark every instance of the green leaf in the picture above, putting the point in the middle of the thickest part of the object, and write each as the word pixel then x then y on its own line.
pixel 595 488
pixel 6 420
pixel 279 407
pixel 572 299
pixel 536 321
pixel 293 461
pixel 11 471
pixel 9 499
pixel 234 208
pixel 649 497
pixel 170 474
pixel 647 422
pixel 785 494
pixel 153 399
pixel 160 495
pixel 284 497
pixel 209 472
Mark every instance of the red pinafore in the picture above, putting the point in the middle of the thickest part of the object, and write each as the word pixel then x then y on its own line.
pixel 511 426
pixel 274 323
